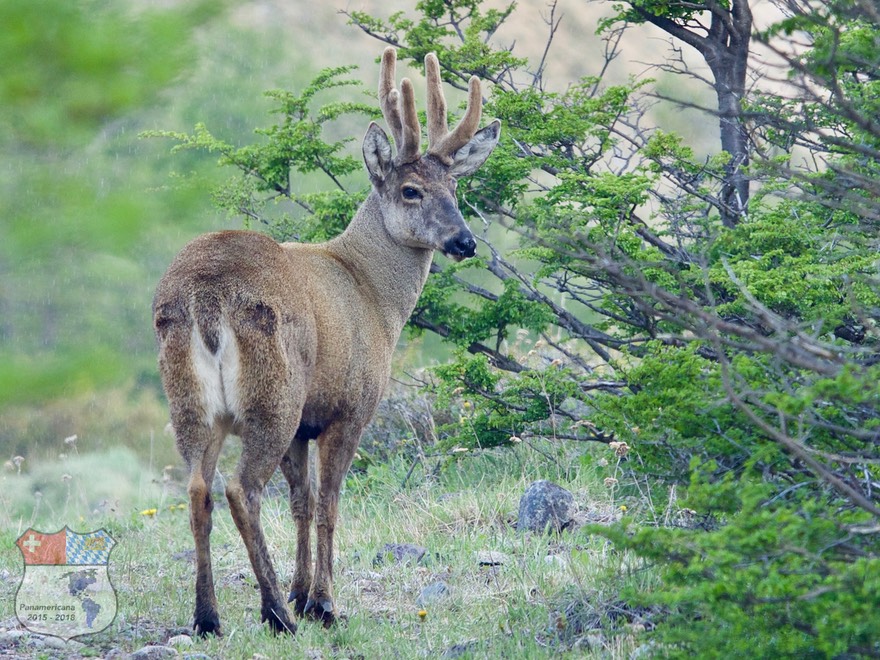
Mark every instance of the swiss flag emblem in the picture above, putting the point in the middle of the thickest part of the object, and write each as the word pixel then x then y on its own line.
pixel 39 548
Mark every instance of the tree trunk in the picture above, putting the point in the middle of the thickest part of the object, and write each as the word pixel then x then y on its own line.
pixel 725 48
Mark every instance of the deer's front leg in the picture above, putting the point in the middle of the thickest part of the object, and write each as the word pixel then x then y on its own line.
pixel 336 447
pixel 295 467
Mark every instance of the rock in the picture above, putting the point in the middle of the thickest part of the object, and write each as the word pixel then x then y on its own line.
pixel 56 643
pixel 491 558
pixel 180 640
pixel 400 553
pixel 153 652
pixel 432 593
pixel 545 506
pixel 197 656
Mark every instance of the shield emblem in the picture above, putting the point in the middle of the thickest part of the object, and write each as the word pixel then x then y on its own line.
pixel 65 590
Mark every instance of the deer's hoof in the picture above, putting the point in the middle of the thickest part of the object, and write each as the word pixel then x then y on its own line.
pixel 299 598
pixel 209 625
pixel 279 620
pixel 320 610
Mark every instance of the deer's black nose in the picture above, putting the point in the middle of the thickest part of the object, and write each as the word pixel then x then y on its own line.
pixel 461 246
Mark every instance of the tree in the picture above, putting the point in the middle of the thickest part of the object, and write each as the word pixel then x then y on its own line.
pixel 721 33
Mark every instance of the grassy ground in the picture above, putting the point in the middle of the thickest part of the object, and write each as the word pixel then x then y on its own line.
pixel 549 596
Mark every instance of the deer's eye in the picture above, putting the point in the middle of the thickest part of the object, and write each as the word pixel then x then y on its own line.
pixel 409 192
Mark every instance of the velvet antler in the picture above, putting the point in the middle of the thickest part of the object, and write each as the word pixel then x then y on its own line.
pixel 441 142
pixel 399 109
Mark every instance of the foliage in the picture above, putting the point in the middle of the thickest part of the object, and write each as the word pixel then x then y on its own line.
pixel 295 145
pixel 73 74
pixel 717 315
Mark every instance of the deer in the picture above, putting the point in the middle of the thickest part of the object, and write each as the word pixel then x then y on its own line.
pixel 281 344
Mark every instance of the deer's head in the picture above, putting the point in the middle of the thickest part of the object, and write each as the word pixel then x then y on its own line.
pixel 417 191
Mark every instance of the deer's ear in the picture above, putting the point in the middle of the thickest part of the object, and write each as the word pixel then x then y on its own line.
pixel 377 153
pixel 471 156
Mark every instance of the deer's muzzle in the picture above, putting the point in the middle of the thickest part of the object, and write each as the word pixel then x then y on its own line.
pixel 461 246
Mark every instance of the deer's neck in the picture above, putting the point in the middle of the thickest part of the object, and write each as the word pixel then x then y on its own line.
pixel 393 275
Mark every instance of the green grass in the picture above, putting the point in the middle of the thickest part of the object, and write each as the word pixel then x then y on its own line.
pixel 530 606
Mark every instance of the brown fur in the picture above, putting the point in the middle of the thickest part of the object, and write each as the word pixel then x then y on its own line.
pixel 281 344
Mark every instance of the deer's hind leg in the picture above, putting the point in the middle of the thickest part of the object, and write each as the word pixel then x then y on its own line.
pixel 200 447
pixel 264 441
pixel 295 467
pixel 198 441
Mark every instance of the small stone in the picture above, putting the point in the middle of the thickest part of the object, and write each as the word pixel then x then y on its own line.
pixel 180 640
pixel 432 593
pixel 545 506
pixel 153 652
pixel 56 643
pixel 197 656
pixel 491 558
pixel 400 553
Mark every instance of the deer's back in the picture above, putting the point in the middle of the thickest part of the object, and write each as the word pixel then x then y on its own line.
pixel 255 322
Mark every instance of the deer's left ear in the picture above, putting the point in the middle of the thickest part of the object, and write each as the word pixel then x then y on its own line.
pixel 377 153
pixel 471 156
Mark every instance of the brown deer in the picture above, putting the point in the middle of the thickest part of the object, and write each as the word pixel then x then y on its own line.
pixel 283 343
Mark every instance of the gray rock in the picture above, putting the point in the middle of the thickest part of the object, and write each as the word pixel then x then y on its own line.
pixel 491 558
pixel 400 553
pixel 180 640
pixel 154 652
pixel 545 507
pixel 16 635
pixel 57 643
pixel 432 593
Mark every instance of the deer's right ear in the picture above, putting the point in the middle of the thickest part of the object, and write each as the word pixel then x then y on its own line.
pixel 377 153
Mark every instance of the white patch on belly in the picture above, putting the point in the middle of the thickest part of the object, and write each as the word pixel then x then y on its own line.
pixel 217 374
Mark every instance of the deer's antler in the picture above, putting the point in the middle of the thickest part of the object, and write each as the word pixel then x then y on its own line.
pixel 441 142
pixel 404 126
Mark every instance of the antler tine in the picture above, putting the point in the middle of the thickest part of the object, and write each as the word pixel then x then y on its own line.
pixel 388 95
pixel 446 146
pixel 410 146
pixel 436 110
pixel 399 109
